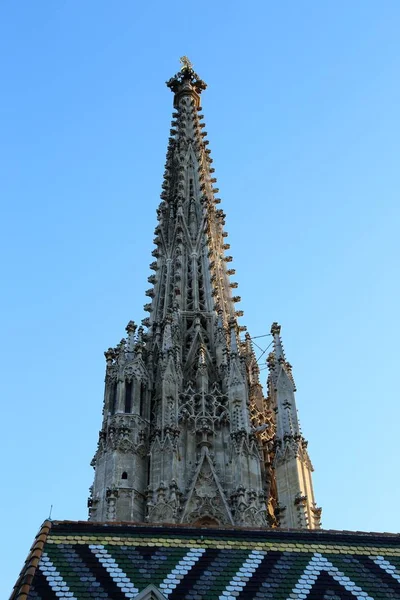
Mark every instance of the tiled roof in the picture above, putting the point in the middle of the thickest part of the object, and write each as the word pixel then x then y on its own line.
pixel 82 560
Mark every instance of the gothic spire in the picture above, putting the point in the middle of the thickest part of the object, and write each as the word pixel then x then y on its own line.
pixel 187 435
pixel 190 270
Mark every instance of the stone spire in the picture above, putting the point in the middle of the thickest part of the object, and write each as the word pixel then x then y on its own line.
pixel 292 465
pixel 178 443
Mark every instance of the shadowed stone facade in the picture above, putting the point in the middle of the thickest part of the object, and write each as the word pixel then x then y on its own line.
pixel 187 435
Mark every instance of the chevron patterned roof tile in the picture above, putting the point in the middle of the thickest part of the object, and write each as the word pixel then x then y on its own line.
pixel 80 560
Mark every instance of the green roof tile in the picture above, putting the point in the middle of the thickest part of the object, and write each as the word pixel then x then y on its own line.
pixel 116 561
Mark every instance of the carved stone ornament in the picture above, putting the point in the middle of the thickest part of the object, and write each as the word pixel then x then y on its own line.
pixel 197 409
pixel 112 374
pixel 164 506
pixel 135 370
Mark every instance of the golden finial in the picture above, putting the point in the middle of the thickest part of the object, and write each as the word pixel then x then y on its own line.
pixel 185 62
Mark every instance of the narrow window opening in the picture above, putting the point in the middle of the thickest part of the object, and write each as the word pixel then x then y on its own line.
pixel 124 475
pixel 128 396
pixel 113 398
pixel 142 392
pixel 148 471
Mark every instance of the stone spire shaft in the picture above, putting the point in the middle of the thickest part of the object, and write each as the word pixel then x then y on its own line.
pixel 190 267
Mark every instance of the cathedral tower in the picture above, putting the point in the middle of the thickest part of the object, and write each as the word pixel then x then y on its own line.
pixel 187 436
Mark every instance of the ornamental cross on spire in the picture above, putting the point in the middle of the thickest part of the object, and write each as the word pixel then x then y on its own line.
pixel 185 62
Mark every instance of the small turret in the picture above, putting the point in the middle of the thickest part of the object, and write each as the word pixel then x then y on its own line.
pixel 292 464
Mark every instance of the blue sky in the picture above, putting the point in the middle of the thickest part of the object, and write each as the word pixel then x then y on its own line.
pixel 302 116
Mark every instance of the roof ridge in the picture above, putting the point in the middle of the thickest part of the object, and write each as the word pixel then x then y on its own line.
pixel 24 581
pixel 181 527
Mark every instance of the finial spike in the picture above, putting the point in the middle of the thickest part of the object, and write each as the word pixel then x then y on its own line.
pixel 278 348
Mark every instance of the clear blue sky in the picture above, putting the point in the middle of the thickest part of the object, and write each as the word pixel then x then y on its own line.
pixel 302 112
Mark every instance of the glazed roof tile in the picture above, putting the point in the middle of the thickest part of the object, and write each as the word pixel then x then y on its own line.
pixel 116 561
